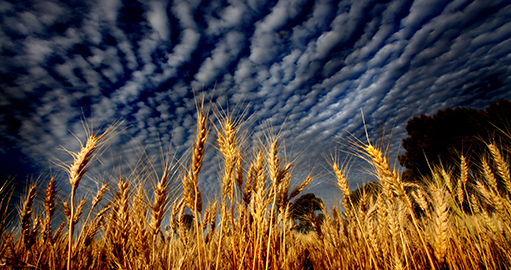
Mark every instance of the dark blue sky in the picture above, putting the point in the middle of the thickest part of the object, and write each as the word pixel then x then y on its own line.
pixel 309 66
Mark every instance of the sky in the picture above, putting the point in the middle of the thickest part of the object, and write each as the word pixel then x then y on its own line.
pixel 307 68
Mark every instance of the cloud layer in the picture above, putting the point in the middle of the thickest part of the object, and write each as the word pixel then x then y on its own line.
pixel 310 66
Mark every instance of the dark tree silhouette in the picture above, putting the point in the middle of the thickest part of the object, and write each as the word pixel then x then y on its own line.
pixel 498 114
pixel 306 213
pixel 185 220
pixel 440 139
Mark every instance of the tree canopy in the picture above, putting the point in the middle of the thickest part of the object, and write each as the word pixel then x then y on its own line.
pixel 306 212
pixel 441 139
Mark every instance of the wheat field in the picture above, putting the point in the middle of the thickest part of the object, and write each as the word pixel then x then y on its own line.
pixel 458 219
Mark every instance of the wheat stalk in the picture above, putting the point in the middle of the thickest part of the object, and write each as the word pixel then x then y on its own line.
pixel 121 208
pixel 419 197
pixel 78 211
pixel 32 234
pixel 273 161
pixel 249 183
pixel 342 184
pixel 494 200
pixel 392 183
pixel 191 191
pixel 258 203
pixel 88 150
pixel 373 240
pixel 239 170
pixel 139 224
pixel 99 195
pixel 283 188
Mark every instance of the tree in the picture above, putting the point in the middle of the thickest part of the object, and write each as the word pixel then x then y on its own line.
pixel 498 113
pixel 441 139
pixel 306 213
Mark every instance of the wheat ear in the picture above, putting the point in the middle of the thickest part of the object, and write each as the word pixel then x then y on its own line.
pixel 342 184
pixel 389 179
pixel 447 179
pixel 191 191
pixel 49 208
pixel 122 211
pixel 489 175
pixel 502 166
pixel 300 188
pixel 441 224
pixel 463 180
pixel 158 205
pixel 26 215
pixel 273 161
pixel 419 197
pixel 227 146
pixel 139 223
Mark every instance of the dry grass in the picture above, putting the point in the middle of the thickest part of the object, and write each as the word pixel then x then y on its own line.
pixel 458 221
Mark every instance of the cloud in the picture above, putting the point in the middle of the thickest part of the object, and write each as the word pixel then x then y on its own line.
pixel 266 40
pixel 108 9
pixel 232 17
pixel 184 10
pixel 182 52
pixel 421 11
pixel 37 50
pixel 226 51
pixel 157 17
